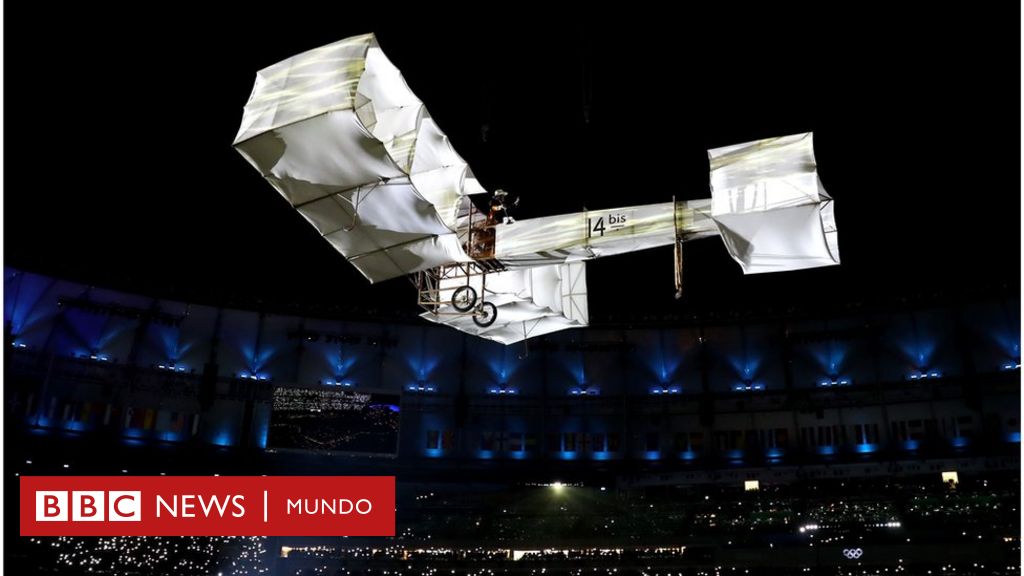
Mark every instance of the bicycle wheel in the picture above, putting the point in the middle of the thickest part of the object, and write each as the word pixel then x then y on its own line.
pixel 485 315
pixel 464 298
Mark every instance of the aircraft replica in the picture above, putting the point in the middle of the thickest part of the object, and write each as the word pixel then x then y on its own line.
pixel 340 135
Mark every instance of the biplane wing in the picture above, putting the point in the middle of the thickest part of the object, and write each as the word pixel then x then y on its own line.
pixel 340 135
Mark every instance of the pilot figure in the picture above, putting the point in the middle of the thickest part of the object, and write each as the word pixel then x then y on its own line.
pixel 498 212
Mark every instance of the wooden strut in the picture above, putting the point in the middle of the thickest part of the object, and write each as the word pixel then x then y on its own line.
pixel 678 251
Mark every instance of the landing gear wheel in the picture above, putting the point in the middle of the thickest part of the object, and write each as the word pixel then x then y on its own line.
pixel 485 315
pixel 464 298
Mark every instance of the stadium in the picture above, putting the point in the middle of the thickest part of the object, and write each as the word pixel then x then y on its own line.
pixel 659 449
pixel 862 419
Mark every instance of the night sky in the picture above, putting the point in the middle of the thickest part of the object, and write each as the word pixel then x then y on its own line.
pixel 119 169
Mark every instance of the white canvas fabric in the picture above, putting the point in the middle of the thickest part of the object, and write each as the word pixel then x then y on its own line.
pixel 599 233
pixel 770 207
pixel 340 135
pixel 530 302
pixel 766 202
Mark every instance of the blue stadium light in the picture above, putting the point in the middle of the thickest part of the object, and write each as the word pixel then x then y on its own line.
pixel 734 455
pixel 659 390
pixel 224 438
pixel 74 426
pixel 17 344
pixel 924 374
pixel 503 390
pixel 1012 365
pixel 421 387
pixel 170 437
pixel 584 391
pixel 253 376
pixel 834 381
pixel 171 367
pixel 748 387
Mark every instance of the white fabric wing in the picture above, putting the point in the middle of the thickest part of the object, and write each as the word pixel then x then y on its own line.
pixel 770 207
pixel 340 135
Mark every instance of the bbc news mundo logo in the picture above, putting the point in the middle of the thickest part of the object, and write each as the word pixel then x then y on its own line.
pixel 207 506
pixel 89 506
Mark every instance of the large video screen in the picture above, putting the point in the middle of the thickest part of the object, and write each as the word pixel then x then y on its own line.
pixel 334 420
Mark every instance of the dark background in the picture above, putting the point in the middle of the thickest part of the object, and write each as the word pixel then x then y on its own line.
pixel 119 168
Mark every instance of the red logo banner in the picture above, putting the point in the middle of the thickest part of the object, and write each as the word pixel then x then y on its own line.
pixel 207 506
